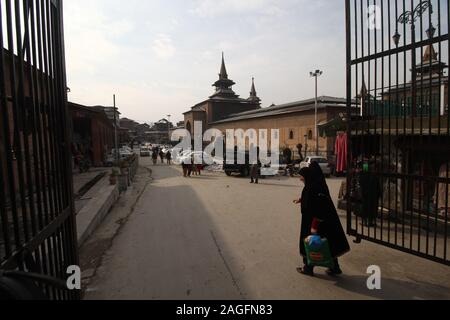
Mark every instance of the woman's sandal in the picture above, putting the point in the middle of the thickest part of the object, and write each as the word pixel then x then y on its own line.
pixel 305 272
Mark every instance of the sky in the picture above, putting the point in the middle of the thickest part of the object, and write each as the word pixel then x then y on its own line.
pixel 161 57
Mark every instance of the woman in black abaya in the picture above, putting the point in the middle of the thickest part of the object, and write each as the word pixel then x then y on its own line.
pixel 320 217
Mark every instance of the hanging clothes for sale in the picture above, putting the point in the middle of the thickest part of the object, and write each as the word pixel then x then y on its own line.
pixel 341 150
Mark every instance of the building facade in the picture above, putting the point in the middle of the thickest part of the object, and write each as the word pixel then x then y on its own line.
pixel 222 104
pixel 409 138
pixel 92 133
pixel 295 121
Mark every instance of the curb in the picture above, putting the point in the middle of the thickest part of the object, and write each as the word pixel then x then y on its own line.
pixel 103 197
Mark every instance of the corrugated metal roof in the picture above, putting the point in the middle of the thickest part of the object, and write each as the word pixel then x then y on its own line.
pixel 198 107
pixel 293 107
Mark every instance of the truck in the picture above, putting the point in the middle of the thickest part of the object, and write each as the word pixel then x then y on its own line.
pixel 234 168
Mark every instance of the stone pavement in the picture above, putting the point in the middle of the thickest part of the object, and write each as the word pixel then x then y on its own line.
pixel 82 180
pixel 94 198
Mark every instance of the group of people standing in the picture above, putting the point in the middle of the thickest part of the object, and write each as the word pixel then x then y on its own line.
pixel 190 169
pixel 157 152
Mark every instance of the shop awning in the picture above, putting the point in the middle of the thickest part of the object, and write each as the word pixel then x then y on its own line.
pixel 332 127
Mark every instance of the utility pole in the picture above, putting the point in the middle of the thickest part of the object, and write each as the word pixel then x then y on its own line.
pixel 116 144
pixel 316 74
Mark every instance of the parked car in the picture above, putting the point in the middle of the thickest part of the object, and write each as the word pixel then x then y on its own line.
pixel 126 154
pixel 110 160
pixel 123 154
pixel 177 155
pixel 323 163
pixel 202 157
pixel 243 169
pixel 122 150
pixel 145 152
pixel 126 149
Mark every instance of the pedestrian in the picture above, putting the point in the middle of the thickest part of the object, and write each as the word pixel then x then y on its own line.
pixel 193 170
pixel 199 169
pixel 255 168
pixel 287 157
pixel 161 156
pixel 320 217
pixel 254 173
pixel 193 167
pixel 300 153
pixel 155 157
pixel 169 158
pixel 370 194
pixel 185 167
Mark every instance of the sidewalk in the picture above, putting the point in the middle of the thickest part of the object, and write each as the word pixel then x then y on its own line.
pixel 100 199
pixel 94 198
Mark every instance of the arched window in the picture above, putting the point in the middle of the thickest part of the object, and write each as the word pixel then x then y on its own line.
pixel 291 135
pixel 189 127
pixel 310 135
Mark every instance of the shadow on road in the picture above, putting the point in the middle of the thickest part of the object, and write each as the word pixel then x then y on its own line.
pixel 170 248
pixel 391 289
pixel 179 244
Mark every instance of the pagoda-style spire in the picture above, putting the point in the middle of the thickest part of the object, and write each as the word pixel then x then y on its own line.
pixel 224 85
pixel 430 54
pixel 363 93
pixel 223 69
pixel 253 95
pixel 431 66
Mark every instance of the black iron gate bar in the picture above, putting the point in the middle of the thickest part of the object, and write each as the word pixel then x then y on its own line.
pixel 36 200
pixel 401 117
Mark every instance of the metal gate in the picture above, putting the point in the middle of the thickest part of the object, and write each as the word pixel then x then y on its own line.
pixel 399 144
pixel 37 225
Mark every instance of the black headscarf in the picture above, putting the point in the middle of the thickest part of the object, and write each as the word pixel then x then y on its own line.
pixel 314 178
pixel 319 181
pixel 307 174
pixel 315 185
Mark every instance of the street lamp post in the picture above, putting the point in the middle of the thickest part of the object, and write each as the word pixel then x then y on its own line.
pixel 168 125
pixel 316 74
pixel 306 146
pixel 410 17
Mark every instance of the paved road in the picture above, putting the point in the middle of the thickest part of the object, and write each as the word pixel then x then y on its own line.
pixel 215 237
